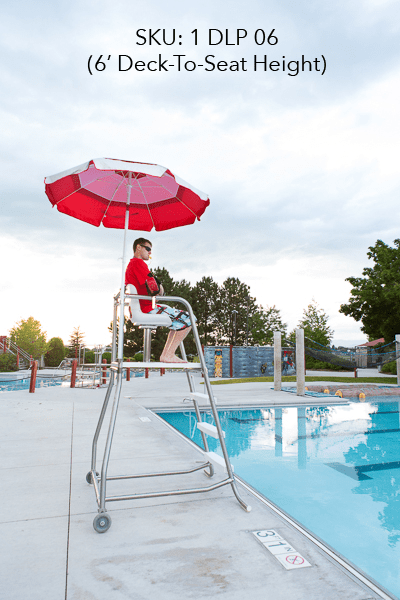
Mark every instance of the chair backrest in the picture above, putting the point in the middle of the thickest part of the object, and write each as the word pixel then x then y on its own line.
pixel 141 318
pixel 134 303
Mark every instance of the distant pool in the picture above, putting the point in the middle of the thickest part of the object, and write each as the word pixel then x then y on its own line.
pixel 23 383
pixel 335 469
pixel 10 382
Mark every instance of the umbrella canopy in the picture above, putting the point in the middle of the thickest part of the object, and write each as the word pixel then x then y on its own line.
pixel 99 191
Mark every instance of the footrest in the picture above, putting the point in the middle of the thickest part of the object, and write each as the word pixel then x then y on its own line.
pixel 218 460
pixel 200 396
pixel 209 429
pixel 157 365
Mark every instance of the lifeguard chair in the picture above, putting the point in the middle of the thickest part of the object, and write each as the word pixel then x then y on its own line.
pixel 148 322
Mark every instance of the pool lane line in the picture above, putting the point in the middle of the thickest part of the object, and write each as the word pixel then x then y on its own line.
pixel 352 569
pixel 358 472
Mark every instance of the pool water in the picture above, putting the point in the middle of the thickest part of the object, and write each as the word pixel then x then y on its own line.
pixel 23 384
pixel 335 469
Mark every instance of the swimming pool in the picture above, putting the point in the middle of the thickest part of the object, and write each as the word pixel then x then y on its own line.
pixel 13 382
pixel 22 383
pixel 335 469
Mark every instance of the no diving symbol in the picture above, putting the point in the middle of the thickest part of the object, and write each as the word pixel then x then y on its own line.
pixel 295 559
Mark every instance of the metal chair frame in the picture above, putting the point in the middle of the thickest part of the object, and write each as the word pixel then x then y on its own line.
pixel 102 520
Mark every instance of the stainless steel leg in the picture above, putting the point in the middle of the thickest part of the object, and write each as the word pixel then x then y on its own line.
pixel 146 344
pixel 103 482
pixel 188 374
pixel 100 422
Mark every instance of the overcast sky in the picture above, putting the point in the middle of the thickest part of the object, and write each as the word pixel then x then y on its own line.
pixel 302 170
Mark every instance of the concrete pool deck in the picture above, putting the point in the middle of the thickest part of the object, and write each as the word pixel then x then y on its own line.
pixel 196 546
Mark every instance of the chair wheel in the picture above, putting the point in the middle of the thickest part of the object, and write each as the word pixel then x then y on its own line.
pixel 89 477
pixel 102 522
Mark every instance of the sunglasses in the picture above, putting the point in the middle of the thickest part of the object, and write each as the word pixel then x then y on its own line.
pixel 147 248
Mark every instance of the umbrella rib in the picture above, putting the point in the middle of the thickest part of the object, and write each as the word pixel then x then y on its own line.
pixel 186 206
pixel 82 187
pixel 68 195
pixel 179 200
pixel 147 206
pixel 112 198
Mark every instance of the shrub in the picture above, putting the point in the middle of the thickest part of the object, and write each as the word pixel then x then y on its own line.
pixel 390 367
pixel 56 353
pixel 8 362
pixel 319 365
pixel 138 357
pixel 107 356
pixel 89 356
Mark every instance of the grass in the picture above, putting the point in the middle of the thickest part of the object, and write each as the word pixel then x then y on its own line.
pixel 309 379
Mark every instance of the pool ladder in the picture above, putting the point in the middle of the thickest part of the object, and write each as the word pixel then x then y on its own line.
pixel 102 520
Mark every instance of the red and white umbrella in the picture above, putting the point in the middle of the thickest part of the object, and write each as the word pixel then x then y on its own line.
pixel 121 194
pixel 100 190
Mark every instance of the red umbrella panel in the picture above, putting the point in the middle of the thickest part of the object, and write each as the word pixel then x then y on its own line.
pixel 98 192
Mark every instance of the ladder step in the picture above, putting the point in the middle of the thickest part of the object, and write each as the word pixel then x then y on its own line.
pixel 216 459
pixel 200 396
pixel 209 429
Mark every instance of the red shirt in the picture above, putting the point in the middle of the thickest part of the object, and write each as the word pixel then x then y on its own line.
pixel 136 273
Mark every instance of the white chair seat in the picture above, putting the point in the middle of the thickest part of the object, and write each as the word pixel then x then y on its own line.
pixel 145 319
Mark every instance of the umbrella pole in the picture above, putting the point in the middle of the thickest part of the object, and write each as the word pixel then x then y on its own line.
pixel 114 410
pixel 122 294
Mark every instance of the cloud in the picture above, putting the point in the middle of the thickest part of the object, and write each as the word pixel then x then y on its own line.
pixel 302 171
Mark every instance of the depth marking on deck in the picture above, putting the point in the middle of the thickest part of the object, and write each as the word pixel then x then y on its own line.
pixel 281 549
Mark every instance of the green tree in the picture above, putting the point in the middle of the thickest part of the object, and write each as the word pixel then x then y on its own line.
pixel 205 304
pixel 316 329
pixel 235 306
pixel 76 339
pixel 166 279
pixel 264 322
pixel 133 338
pixel 56 352
pixel 375 297
pixel 28 335
pixel 315 324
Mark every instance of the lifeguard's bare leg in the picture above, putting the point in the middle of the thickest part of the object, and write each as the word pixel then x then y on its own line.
pixel 171 345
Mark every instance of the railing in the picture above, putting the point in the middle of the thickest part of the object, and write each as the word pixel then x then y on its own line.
pixel 7 345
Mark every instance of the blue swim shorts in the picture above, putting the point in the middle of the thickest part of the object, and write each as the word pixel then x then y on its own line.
pixel 180 318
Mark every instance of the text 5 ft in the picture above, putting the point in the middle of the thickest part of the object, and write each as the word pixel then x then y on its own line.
pixel 234 37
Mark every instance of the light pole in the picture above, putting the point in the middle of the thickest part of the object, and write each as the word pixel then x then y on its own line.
pixel 247 322
pixel 234 313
